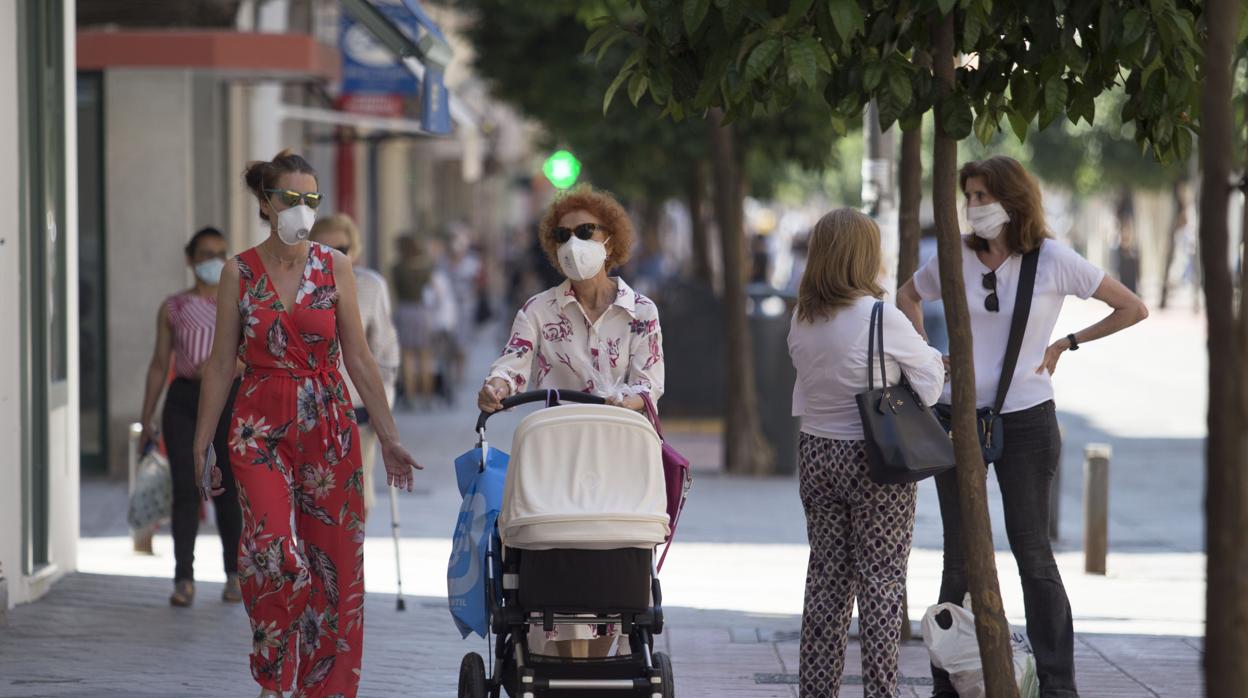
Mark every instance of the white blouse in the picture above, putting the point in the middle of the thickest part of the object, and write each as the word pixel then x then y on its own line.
pixel 1060 272
pixel 831 360
pixel 554 345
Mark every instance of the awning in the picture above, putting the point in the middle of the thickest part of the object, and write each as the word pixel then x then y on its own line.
pixel 224 52
pixel 425 56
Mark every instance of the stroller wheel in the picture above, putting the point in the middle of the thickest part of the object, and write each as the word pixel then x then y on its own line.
pixel 472 683
pixel 663 663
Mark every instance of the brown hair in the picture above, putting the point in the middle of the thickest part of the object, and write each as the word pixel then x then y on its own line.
pixel 261 175
pixel 338 222
pixel 600 205
pixel 1019 194
pixel 842 266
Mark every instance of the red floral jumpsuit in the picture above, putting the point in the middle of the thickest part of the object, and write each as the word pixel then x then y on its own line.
pixel 295 453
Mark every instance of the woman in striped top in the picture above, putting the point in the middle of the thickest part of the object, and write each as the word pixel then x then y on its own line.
pixel 184 332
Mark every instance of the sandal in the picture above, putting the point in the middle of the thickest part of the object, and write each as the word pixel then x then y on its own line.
pixel 232 593
pixel 183 593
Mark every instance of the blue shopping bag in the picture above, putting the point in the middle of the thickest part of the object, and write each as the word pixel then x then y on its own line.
pixel 482 490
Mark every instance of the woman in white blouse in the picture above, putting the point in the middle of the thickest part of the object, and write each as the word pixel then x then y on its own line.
pixel 860 532
pixel 591 333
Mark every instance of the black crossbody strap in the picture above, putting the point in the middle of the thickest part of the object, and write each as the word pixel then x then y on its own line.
pixel 1018 325
pixel 876 330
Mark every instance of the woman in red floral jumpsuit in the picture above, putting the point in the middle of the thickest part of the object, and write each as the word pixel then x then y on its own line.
pixel 288 309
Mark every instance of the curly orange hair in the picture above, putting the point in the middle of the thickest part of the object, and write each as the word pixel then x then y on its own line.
pixel 601 205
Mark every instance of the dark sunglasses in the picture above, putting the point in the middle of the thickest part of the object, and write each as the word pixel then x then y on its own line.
pixel 291 198
pixel 345 250
pixel 991 303
pixel 583 231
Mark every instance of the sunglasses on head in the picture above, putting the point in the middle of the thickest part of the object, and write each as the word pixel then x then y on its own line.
pixel 291 198
pixel 583 231
pixel 991 303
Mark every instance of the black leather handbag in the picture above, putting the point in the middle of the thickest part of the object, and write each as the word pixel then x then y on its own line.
pixel 988 419
pixel 904 442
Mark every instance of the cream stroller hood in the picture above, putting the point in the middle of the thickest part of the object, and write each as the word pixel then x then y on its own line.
pixel 584 476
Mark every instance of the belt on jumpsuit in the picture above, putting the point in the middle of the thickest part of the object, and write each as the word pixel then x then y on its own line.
pixel 322 378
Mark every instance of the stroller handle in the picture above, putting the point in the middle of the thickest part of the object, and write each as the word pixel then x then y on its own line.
pixel 552 396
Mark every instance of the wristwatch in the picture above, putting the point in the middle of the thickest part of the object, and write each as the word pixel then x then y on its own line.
pixel 1074 343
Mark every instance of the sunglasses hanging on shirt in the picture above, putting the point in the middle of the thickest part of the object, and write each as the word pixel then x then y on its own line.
pixel 991 303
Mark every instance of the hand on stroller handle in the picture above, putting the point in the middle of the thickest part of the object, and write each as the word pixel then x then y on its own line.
pixel 549 396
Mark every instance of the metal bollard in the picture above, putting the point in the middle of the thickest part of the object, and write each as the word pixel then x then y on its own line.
pixel 1095 507
pixel 142 539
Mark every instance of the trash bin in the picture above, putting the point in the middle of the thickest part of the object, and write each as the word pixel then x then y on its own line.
pixel 770 311
pixel 691 313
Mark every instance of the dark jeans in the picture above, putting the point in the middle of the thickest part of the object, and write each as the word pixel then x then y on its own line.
pixel 1025 472
pixel 178 427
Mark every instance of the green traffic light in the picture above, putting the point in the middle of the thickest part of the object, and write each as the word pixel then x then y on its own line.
pixel 562 168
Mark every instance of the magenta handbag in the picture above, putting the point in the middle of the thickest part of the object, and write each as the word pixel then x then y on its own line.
pixel 676 476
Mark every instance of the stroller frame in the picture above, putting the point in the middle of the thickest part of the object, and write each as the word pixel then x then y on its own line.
pixel 524 674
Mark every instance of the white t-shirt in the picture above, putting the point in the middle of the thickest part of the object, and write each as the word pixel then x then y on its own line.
pixel 831 361
pixel 1060 272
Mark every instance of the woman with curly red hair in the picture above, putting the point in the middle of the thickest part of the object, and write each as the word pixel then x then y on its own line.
pixel 591 333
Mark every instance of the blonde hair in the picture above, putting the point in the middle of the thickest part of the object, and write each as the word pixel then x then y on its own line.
pixel 338 223
pixel 843 264
pixel 1019 194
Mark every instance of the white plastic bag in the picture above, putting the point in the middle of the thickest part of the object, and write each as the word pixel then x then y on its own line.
pixel 956 650
pixel 152 499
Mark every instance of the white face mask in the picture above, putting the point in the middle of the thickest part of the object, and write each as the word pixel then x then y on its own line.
pixel 295 223
pixel 987 220
pixel 209 271
pixel 582 259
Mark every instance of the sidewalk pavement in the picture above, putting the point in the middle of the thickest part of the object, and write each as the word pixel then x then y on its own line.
pixel 733 584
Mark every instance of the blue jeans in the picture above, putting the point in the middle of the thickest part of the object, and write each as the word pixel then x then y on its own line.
pixel 1033 448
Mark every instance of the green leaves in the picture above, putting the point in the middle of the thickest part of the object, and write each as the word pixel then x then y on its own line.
pixel 1055 94
pixel 986 125
pixel 693 12
pixel 803 60
pixel 846 17
pixel 1133 25
pixel 762 58
pixel 955 116
pixel 946 6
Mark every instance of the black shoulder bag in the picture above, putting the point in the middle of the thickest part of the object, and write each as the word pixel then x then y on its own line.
pixel 904 442
pixel 988 419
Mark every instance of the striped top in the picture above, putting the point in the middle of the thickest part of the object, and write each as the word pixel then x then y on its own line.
pixel 193 319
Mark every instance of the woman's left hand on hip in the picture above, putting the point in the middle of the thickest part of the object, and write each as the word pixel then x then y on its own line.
pixel 1051 355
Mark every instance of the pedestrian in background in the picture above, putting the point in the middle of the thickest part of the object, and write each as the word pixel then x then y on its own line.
pixel 463 267
pixel 289 308
pixel 860 532
pixel 340 233
pixel 185 325
pixel 411 275
pixel 590 333
pixel 1006 215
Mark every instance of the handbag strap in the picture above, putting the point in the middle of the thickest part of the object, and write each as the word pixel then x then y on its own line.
pixel 652 414
pixel 875 335
pixel 1018 325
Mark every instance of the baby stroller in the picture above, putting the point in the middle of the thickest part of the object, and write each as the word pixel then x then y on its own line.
pixel 583 510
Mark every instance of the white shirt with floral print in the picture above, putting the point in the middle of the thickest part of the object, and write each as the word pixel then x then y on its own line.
pixel 554 345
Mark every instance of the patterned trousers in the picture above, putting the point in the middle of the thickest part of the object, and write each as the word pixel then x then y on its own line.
pixel 860 535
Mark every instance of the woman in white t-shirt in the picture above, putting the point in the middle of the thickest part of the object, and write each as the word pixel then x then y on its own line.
pixel 1007 219
pixel 860 532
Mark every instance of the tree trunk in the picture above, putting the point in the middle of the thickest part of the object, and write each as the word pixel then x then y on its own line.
pixel 1226 486
pixel 910 195
pixel 701 242
pixel 745 449
pixel 1176 224
pixel 991 628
